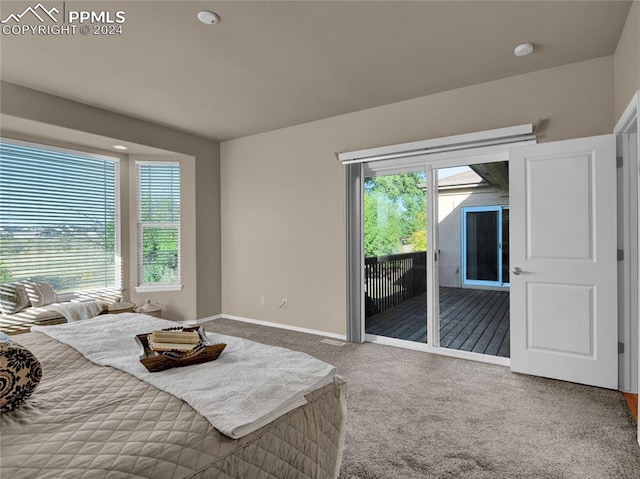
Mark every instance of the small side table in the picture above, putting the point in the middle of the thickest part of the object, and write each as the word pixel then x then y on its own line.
pixel 120 307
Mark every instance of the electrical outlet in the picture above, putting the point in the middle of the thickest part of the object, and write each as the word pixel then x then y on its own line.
pixel 284 304
pixel 262 300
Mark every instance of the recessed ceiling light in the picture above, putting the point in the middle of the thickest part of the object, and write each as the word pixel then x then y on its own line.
pixel 120 147
pixel 523 49
pixel 208 18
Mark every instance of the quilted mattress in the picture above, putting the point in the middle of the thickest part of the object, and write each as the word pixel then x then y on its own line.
pixel 87 421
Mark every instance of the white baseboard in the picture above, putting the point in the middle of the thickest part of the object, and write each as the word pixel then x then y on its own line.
pixel 208 318
pixel 483 358
pixel 259 322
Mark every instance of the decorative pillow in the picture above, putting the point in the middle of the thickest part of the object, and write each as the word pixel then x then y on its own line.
pixel 13 298
pixel 20 373
pixel 40 294
pixel 48 293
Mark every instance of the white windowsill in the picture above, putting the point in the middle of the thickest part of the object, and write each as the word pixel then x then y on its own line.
pixel 150 288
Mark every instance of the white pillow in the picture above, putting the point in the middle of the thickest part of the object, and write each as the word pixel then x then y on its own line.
pixel 40 294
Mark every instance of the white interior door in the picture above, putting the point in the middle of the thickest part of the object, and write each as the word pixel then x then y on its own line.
pixel 563 259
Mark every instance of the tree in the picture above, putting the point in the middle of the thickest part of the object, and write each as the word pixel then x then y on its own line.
pixel 382 226
pixel 160 254
pixel 5 274
pixel 418 238
pixel 394 208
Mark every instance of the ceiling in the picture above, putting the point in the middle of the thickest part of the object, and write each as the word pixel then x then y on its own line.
pixel 29 130
pixel 273 64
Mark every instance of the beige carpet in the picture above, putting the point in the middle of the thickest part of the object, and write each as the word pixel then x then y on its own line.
pixel 417 415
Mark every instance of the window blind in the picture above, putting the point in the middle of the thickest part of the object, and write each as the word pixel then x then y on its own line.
pixel 58 217
pixel 158 223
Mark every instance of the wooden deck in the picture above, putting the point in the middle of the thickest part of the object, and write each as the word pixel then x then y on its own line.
pixel 470 320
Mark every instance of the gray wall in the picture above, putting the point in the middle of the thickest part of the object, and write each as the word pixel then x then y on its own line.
pixel 627 60
pixel 283 231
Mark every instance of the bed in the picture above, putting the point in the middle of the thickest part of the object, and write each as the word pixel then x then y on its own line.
pixel 86 421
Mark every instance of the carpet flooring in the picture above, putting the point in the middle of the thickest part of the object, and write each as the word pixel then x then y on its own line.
pixel 418 415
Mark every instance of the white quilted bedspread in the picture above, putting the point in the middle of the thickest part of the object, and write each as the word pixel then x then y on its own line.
pixel 248 386
pixel 86 421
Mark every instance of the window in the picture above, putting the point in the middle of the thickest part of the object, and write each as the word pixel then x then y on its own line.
pixel 158 226
pixel 58 217
pixel 485 245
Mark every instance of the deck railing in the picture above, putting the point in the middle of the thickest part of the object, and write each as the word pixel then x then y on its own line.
pixel 391 280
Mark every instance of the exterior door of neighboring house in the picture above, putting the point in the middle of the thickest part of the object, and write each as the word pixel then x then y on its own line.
pixel 563 260
pixel 485 246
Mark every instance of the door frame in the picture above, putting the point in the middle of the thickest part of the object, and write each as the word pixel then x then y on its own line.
pixel 628 241
pixel 463 254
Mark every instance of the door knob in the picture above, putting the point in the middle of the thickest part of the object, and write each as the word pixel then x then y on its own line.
pixel 517 270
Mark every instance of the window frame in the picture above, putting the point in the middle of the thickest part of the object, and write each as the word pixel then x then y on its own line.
pixel 499 210
pixel 140 225
pixel 118 286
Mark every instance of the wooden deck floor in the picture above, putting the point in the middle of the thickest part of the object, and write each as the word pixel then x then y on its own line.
pixel 470 320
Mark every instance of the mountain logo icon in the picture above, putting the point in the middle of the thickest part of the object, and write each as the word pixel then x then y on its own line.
pixel 39 11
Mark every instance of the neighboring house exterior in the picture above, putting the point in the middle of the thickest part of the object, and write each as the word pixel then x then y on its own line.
pixel 461 196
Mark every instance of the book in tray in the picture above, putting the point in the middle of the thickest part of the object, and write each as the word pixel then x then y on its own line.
pixel 176 347
pixel 173 340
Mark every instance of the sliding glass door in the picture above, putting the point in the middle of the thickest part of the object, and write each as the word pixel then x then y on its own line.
pixel 435 265
pixel 395 245
pixel 473 265
pixel 485 245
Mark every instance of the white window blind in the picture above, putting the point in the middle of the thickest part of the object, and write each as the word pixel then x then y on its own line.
pixel 158 224
pixel 58 217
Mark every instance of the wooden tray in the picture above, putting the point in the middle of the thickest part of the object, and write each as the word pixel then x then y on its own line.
pixel 156 361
